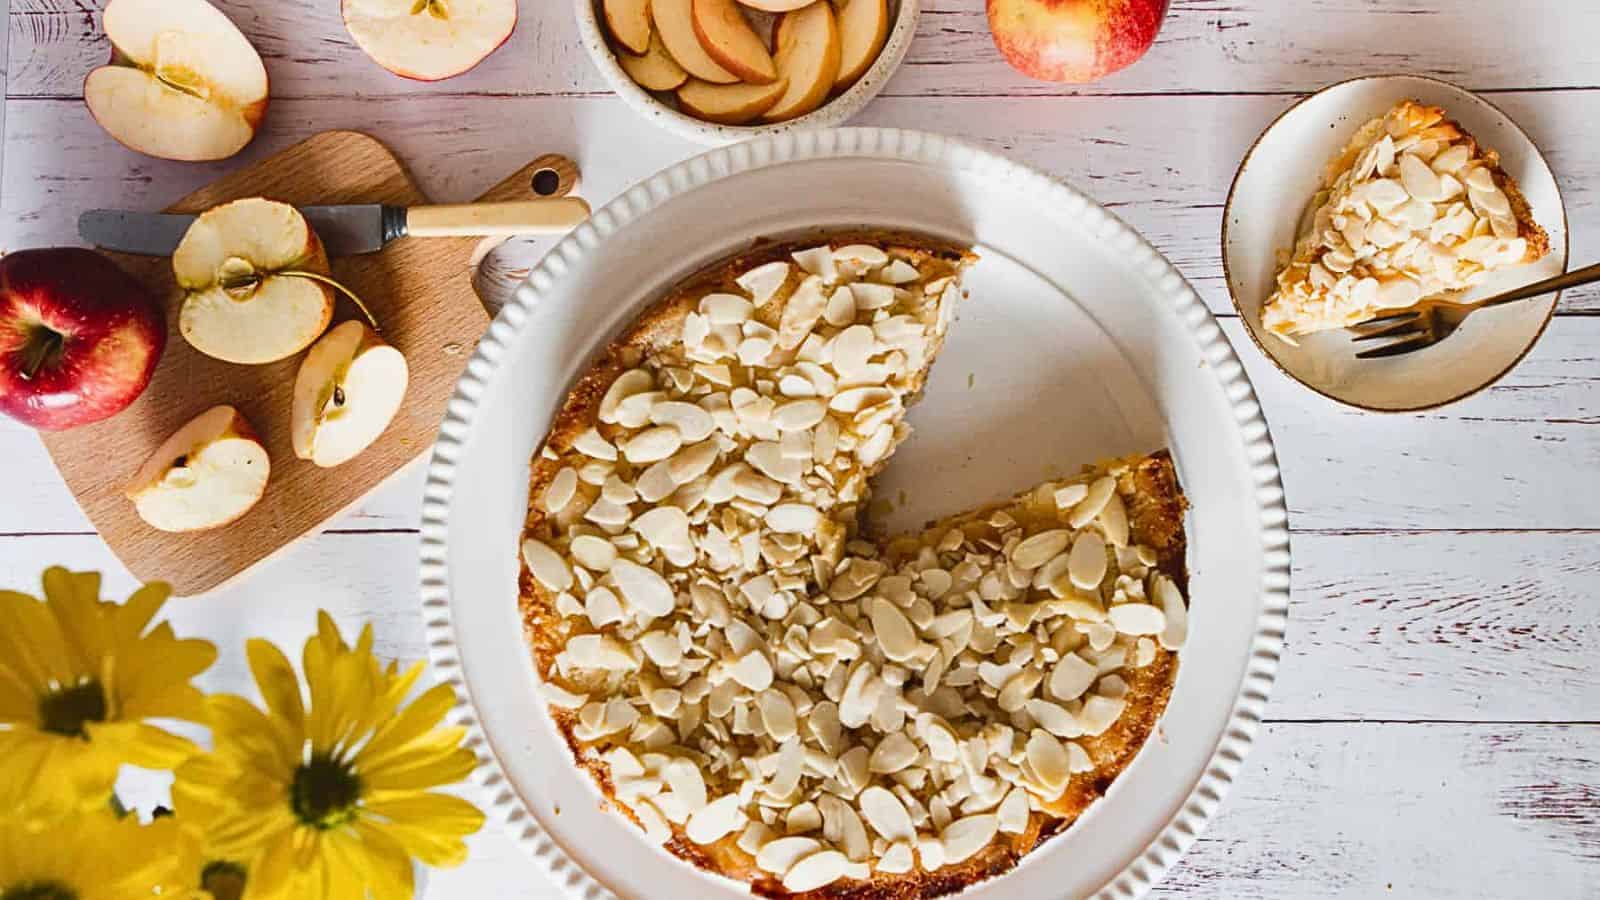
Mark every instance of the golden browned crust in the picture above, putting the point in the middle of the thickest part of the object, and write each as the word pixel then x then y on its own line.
pixel 1155 515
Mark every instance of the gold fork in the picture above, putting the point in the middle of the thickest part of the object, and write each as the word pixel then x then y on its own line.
pixel 1426 325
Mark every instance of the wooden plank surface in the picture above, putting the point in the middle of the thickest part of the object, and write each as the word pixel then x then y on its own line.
pixel 1436 728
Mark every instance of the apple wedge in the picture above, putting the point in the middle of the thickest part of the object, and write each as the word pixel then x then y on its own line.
pixel 429 40
pixel 656 70
pixel 674 21
pixel 350 386
pixel 629 22
pixel 863 29
pixel 807 43
pixel 729 104
pixel 209 473
pixel 777 6
pixel 255 282
pixel 183 83
pixel 726 35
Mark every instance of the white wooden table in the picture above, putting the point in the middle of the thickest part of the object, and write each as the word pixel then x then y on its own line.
pixel 1435 731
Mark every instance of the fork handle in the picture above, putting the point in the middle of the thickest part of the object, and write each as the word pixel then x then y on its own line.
pixel 1575 278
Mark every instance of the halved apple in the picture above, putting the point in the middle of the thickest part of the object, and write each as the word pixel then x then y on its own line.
pixel 629 23
pixel 183 83
pixel 674 21
pixel 656 70
pixel 209 473
pixel 429 40
pixel 729 104
pixel 350 386
pixel 255 282
pixel 726 35
pixel 807 43
pixel 863 29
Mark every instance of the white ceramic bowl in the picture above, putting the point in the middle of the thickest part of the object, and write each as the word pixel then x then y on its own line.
pixel 1079 341
pixel 1277 180
pixel 591 31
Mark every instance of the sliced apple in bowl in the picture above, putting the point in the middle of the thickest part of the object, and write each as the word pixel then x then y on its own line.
pixel 674 21
pixel 429 40
pixel 255 282
pixel 629 22
pixel 725 33
pixel 729 104
pixel 183 82
pixel 656 70
pixel 863 30
pixel 807 45
pixel 207 474
pixel 350 386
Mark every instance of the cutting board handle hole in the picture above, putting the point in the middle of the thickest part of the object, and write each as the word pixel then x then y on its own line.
pixel 546 182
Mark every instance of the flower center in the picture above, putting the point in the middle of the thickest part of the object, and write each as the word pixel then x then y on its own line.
pixel 39 890
pixel 65 710
pixel 225 880
pixel 324 793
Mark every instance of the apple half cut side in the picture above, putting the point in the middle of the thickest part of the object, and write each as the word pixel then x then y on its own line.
pixel 807 44
pixel 674 21
pixel 629 22
pixel 254 278
pixel 183 82
pixel 349 388
pixel 863 30
pixel 729 104
pixel 209 473
pixel 429 40
pixel 725 34
pixel 656 70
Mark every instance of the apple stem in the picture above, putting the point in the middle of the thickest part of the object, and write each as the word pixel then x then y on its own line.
pixel 42 348
pixel 323 279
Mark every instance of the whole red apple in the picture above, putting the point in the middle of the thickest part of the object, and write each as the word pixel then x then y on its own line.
pixel 79 337
pixel 1074 40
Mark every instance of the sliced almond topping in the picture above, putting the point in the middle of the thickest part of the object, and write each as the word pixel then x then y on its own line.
pixel 1048 759
pixel 633 381
pixel 644 588
pixel 893 753
pixel 1095 500
pixel 726 309
pixel 780 855
pixel 1071 677
pixel 817 870
pixel 1177 614
pixel 896 637
pixel 763 282
pixel 546 565
pixel 1012 816
pixel 1040 548
pixel 793 518
pixel 1087 564
pixel 1138 619
pixel 886 814
pixel 966 836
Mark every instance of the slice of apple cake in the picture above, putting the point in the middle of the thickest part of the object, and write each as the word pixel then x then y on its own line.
pixel 765 690
pixel 1412 209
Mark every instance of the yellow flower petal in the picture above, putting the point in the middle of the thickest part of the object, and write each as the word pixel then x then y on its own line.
pixel 422 715
pixel 279 687
pixel 429 826
pixel 142 745
pixel 385 865
pixel 422 766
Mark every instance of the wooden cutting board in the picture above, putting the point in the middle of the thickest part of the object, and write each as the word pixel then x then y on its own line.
pixel 421 292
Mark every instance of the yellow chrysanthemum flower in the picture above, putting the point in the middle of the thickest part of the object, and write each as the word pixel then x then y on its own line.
pixel 332 798
pixel 79 677
pixel 94 855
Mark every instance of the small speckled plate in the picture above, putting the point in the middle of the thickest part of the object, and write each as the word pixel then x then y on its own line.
pixel 1278 178
pixel 591 30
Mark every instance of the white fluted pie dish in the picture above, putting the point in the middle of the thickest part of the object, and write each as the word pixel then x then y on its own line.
pixel 1078 342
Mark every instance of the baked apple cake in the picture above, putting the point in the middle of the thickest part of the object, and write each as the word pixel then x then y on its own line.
pixel 764 687
pixel 1412 209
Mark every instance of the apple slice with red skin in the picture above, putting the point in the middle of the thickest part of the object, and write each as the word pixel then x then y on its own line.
pixel 629 22
pixel 183 82
pixel 1074 41
pixel 729 104
pixel 726 35
pixel 863 30
pixel 349 387
pixel 79 337
pixel 207 474
pixel 429 40
pixel 807 52
pixel 674 21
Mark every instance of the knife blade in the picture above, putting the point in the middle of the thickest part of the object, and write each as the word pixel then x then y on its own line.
pixel 349 229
